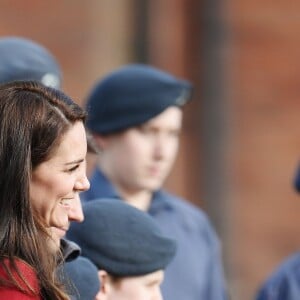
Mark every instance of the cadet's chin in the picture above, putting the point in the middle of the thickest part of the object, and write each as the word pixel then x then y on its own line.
pixel 153 184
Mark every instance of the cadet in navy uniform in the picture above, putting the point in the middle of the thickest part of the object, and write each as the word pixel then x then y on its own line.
pixel 284 283
pixel 135 116
pixel 128 248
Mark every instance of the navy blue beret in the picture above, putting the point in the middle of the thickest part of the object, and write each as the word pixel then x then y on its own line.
pixel 121 239
pixel 81 278
pixel 297 180
pixel 133 95
pixel 23 59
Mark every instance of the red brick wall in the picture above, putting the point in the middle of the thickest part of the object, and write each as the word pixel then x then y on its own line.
pixel 170 36
pixel 88 38
pixel 264 72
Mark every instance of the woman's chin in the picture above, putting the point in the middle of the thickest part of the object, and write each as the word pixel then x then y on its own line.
pixel 56 235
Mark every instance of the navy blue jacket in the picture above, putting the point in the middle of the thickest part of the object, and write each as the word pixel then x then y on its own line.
pixel 284 283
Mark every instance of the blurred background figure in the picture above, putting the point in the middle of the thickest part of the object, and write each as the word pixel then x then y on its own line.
pixel 24 59
pixel 284 282
pixel 128 248
pixel 240 139
pixel 135 116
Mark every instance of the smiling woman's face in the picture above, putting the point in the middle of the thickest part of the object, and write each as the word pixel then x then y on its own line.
pixel 56 183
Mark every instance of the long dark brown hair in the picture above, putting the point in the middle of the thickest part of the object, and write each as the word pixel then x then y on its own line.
pixel 33 120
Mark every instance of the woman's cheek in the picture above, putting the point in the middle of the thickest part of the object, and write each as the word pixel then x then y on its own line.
pixel 59 215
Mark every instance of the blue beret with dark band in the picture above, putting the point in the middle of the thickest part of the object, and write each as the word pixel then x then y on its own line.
pixel 132 95
pixel 23 59
pixel 121 239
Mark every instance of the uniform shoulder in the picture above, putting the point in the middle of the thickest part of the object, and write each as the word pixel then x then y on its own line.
pixel 284 280
pixel 184 205
pixel 289 267
pixel 191 220
pixel 188 211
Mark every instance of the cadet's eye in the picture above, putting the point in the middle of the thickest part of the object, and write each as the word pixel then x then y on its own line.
pixel 174 133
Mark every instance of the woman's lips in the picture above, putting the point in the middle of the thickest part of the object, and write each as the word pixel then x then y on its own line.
pixel 60 231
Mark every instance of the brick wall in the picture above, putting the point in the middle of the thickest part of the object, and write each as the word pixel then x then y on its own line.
pixel 264 72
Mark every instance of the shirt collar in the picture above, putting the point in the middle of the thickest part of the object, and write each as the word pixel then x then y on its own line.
pixel 101 186
pixel 69 249
pixel 161 200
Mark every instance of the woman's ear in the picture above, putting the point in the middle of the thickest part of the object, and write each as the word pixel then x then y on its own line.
pixel 103 293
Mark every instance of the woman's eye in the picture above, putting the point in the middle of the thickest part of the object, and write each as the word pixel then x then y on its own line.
pixel 73 168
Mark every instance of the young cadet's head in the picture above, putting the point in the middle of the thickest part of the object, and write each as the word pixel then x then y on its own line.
pixel 128 248
pixel 24 59
pixel 135 115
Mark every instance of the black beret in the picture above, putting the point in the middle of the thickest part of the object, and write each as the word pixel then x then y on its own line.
pixel 81 278
pixel 297 180
pixel 133 95
pixel 121 239
pixel 23 59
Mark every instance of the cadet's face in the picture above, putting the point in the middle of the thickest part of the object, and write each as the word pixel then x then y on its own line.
pixel 140 158
pixel 146 287
pixel 56 183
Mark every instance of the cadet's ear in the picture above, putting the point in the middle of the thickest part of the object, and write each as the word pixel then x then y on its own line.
pixel 101 141
pixel 103 293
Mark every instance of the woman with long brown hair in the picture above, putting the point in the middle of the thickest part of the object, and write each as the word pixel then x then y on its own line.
pixel 42 170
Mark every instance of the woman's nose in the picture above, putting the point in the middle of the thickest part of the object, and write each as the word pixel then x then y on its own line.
pixel 83 184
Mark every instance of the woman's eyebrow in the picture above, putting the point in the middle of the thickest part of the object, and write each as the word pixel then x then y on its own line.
pixel 75 162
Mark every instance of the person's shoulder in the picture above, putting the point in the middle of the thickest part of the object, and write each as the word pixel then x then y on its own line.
pixel 27 279
pixel 284 281
pixel 184 206
pixel 24 269
pixel 290 267
pixel 188 212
